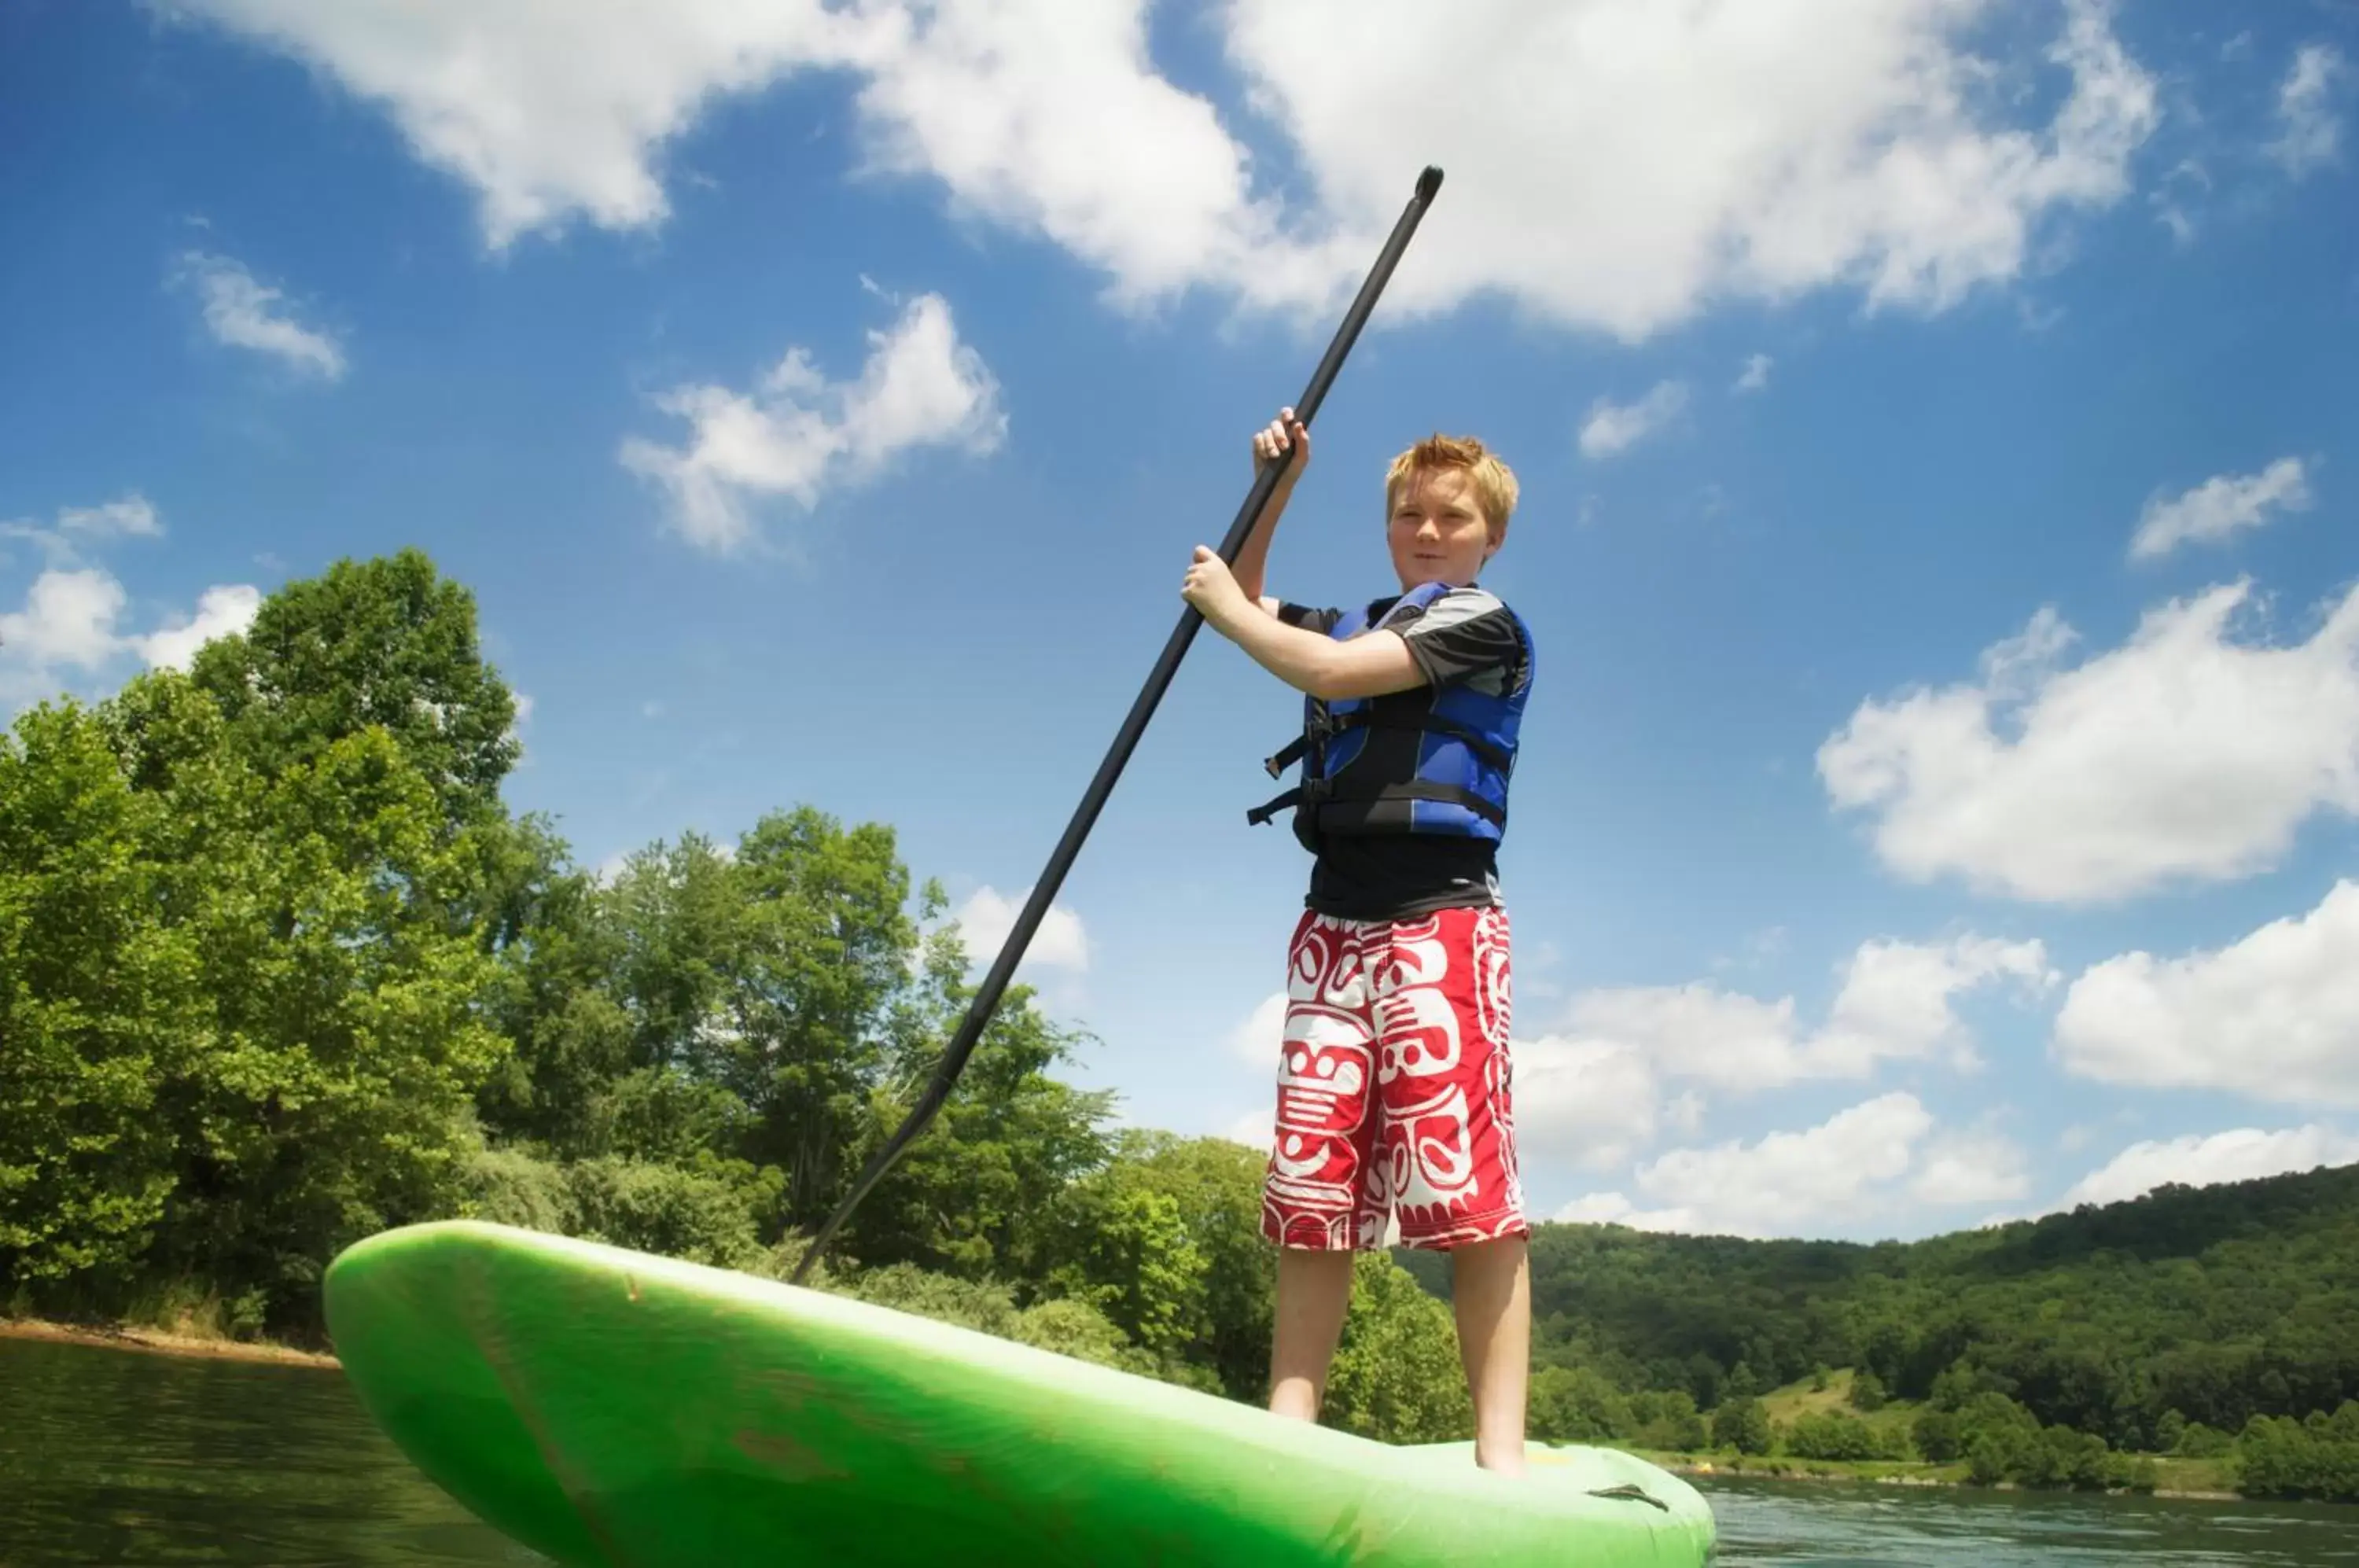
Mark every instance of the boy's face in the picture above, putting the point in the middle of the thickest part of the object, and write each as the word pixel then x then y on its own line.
pixel 1438 532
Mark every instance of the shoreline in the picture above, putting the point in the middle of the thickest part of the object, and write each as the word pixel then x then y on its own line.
pixel 1809 1470
pixel 161 1342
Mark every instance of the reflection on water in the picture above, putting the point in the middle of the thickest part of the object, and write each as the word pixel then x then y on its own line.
pixel 1826 1526
pixel 110 1456
pixel 122 1457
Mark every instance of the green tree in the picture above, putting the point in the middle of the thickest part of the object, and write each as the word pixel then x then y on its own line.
pixel 1577 1404
pixel 327 1094
pixel 387 644
pixel 1935 1433
pixel 1165 1239
pixel 555 997
pixel 1742 1423
pixel 825 940
pixel 1397 1375
pixel 96 1002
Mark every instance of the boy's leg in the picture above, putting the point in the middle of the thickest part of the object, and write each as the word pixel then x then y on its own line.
pixel 1314 1293
pixel 1445 1072
pixel 1320 1163
pixel 1491 1294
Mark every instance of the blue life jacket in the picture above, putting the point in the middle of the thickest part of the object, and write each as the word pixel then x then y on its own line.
pixel 1427 760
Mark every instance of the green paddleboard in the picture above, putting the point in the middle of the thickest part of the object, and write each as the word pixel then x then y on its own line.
pixel 609 1409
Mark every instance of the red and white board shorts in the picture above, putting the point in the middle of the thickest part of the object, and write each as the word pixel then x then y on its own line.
pixel 1393 1090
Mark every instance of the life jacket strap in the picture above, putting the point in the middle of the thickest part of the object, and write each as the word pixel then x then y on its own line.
pixel 1308 793
pixel 1372 718
pixel 1320 790
pixel 1427 790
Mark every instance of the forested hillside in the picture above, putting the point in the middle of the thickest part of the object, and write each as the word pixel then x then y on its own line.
pixel 280 968
pixel 2184 1311
pixel 2220 1303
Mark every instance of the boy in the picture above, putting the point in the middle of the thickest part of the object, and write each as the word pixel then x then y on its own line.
pixel 1393 1093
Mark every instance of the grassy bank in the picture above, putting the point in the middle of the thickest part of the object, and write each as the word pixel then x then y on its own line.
pixel 162 1341
pixel 178 1318
pixel 2174 1477
pixel 1832 1394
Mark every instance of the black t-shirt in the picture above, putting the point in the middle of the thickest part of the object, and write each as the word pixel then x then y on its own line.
pixel 1465 635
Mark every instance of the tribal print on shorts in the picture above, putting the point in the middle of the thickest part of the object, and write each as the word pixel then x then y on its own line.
pixel 1393 1091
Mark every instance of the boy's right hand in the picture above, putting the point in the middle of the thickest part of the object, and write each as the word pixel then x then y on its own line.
pixel 1272 440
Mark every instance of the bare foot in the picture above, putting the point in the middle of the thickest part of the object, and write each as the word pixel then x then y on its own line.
pixel 1508 1464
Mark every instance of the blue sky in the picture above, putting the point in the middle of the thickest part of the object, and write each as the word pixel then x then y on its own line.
pixel 1938 448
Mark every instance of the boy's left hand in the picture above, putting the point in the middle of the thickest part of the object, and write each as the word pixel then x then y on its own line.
pixel 1212 589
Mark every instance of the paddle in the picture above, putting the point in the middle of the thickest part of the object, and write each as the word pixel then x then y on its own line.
pixel 1011 951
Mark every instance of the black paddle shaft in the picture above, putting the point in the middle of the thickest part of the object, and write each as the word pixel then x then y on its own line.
pixel 1011 951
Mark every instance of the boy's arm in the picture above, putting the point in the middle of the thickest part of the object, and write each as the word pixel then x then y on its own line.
pixel 1253 558
pixel 1317 666
pixel 1311 662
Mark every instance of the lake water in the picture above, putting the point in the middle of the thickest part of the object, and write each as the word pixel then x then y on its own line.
pixel 117 1457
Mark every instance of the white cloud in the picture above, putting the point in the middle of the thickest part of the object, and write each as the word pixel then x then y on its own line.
pixel 1616 426
pixel 1257 1041
pixel 2220 505
pixel 67 620
pixel 1612 1208
pixel 245 313
pixel 70 622
pixel 987 918
pixel 1624 164
pixel 1601 1090
pixel 2181 754
pixel 1849 1167
pixel 1595 1102
pixel 2274 1016
pixel 798 432
pixel 548 108
pixel 221 612
pixel 2310 133
pixel 129 515
pixel 1894 1004
pixel 2243 1155
pixel 1971 1168
pixel 1254 1129
pixel 1755 374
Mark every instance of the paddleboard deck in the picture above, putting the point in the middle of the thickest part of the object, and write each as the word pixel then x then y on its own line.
pixel 611 1409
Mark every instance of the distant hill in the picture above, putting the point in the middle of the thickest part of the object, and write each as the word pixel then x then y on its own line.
pixel 2218 1302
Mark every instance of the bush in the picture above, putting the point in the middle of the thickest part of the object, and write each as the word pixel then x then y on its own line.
pixel 1833 1434
pixel 1937 1437
pixel 2201 1442
pixel 1576 1404
pixel 705 1214
pixel 2318 1456
pixel 1743 1426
